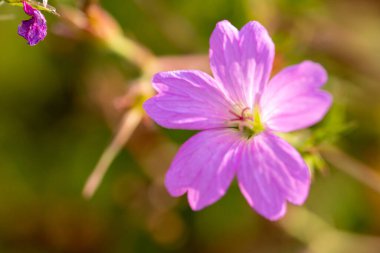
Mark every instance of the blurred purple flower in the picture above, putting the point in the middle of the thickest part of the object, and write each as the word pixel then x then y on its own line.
pixel 35 29
pixel 239 110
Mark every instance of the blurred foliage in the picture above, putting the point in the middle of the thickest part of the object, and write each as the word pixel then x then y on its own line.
pixel 57 112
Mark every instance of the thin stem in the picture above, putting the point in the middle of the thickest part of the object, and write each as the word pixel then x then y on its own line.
pixel 352 167
pixel 129 123
pixel 133 52
pixel 146 62
pixel 314 232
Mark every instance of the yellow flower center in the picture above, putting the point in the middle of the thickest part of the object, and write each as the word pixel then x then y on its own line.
pixel 247 121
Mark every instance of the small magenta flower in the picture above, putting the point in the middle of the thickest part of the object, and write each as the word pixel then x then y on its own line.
pixel 35 29
pixel 238 111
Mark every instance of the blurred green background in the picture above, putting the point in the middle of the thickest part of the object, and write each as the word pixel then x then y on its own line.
pixel 57 115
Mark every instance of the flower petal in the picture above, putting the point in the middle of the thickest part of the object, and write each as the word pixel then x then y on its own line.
pixel 257 56
pixel 272 171
pixel 35 29
pixel 292 100
pixel 187 100
pixel 204 167
pixel 241 61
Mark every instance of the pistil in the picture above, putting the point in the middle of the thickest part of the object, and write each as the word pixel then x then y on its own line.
pixel 248 122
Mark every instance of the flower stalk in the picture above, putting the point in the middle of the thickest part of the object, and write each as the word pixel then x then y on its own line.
pixel 129 123
pixel 34 4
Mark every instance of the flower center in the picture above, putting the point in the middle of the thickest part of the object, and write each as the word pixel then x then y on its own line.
pixel 247 121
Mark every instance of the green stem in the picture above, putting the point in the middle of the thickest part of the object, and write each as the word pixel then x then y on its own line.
pixel 35 4
pixel 132 52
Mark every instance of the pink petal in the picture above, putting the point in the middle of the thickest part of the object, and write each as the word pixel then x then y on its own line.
pixel 292 100
pixel 204 167
pixel 241 61
pixel 34 29
pixel 270 173
pixel 257 56
pixel 187 100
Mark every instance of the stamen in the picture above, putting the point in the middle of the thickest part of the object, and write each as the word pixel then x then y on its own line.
pixel 243 112
pixel 247 122
pixel 238 117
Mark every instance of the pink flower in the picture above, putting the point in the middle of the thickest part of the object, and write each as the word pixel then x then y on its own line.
pixel 238 111
pixel 34 29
